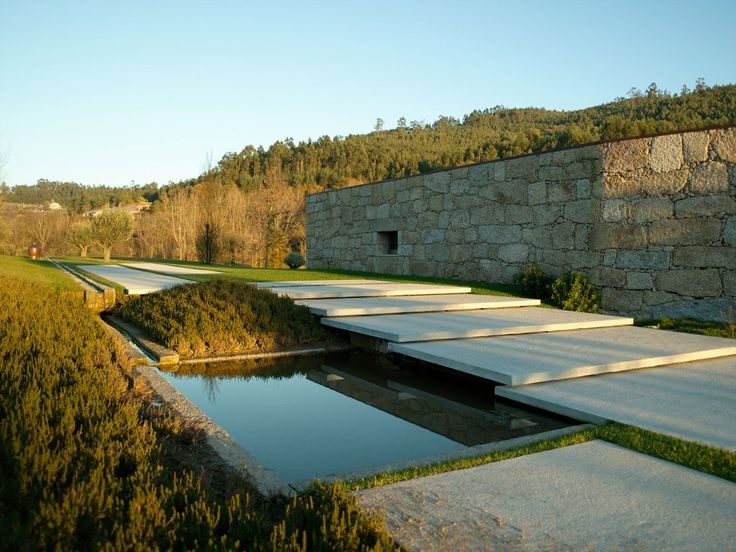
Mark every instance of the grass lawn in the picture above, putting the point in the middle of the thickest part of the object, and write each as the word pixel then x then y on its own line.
pixel 40 271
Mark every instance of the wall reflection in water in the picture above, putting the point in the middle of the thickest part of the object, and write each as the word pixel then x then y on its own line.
pixel 329 415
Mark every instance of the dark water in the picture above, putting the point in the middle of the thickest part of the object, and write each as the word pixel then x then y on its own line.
pixel 330 415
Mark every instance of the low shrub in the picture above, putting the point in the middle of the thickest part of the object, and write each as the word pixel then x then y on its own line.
pixel 574 292
pixel 221 317
pixel 294 260
pixel 532 282
pixel 84 466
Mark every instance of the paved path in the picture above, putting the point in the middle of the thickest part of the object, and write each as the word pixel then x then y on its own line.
pixel 134 282
pixel 593 496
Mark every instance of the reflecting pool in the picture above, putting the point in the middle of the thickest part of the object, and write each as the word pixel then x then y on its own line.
pixel 334 414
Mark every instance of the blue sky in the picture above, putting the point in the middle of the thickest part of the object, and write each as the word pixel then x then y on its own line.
pixel 120 91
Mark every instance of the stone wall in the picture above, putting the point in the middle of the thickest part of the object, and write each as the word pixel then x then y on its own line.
pixel 651 221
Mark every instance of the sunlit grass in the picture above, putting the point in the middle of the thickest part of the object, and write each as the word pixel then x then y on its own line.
pixel 40 271
pixel 711 460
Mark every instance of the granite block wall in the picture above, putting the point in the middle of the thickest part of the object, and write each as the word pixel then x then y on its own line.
pixel 651 221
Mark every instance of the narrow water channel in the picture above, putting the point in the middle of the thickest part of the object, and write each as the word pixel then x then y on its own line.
pixel 334 414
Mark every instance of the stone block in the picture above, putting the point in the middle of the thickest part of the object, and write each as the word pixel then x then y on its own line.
pixel 729 232
pixel 498 171
pixel 704 257
pixel 583 210
pixel 437 182
pixel 584 189
pixel 607 277
pixel 643 260
pixel 666 153
pixel 705 206
pixel 563 235
pixel 561 192
pixel 582 260
pixel 617 236
pixel 709 178
pixel 523 167
pixel 582 233
pixel 650 209
pixel 695 147
pixel 617 186
pixel 547 214
pixel 514 253
pixel 639 280
pixel 580 169
pixel 615 210
pixel 620 300
pixel 728 277
pixel 499 233
pixel 540 238
pixel 692 283
pixel 664 184
pixel 508 192
pixel 685 232
pixel 552 173
pixel 724 144
pixel 518 214
pixel 537 193
pixel 626 156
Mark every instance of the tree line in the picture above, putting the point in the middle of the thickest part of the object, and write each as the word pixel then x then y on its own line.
pixel 248 208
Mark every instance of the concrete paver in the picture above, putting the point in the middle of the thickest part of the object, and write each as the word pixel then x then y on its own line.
pixel 591 496
pixel 534 358
pixel 433 326
pixel 369 306
pixel 694 401
pixel 302 283
pixel 135 282
pixel 381 289
pixel 169 269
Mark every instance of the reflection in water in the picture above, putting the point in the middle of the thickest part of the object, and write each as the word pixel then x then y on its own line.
pixel 328 415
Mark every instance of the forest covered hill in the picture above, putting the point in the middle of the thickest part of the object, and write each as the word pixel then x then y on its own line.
pixel 417 147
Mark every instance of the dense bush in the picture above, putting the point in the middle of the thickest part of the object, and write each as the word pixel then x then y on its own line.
pixel 221 317
pixel 533 282
pixel 574 292
pixel 294 260
pixel 82 467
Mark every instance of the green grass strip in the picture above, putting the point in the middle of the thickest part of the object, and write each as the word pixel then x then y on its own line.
pixel 711 460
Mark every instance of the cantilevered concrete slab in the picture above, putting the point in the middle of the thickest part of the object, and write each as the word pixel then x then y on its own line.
pixel 591 496
pixel 534 358
pixel 134 282
pixel 169 269
pixel 694 401
pixel 402 328
pixel 419 303
pixel 302 283
pixel 382 289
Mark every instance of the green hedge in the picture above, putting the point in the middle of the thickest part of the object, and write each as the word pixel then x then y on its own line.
pixel 221 317
pixel 83 468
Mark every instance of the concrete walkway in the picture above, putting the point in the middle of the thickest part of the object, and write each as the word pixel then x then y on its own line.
pixel 134 282
pixel 593 496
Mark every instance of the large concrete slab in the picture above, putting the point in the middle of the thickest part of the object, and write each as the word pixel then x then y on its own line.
pixel 591 496
pixel 378 289
pixel 369 306
pixel 169 269
pixel 134 282
pixel 534 358
pixel 403 328
pixel 302 283
pixel 694 401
